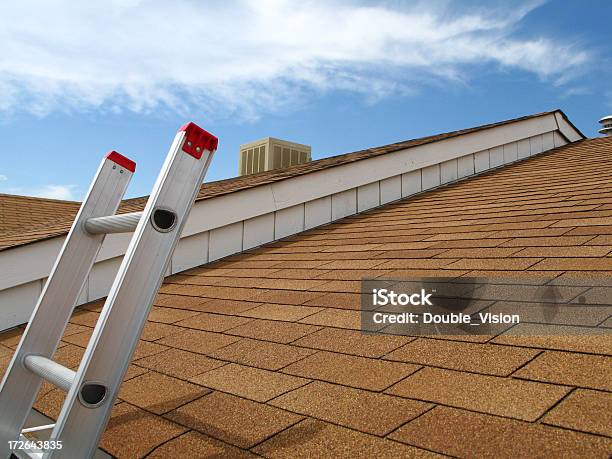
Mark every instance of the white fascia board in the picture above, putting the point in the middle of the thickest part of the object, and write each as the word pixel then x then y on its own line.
pixel 17 303
pixel 567 129
pixel 288 221
pixel 391 189
pixel 229 208
pixel 114 245
pixel 258 231
pixel 30 262
pixel 189 252
pixel 318 212
pixel 34 261
pixel 337 179
pixel 225 240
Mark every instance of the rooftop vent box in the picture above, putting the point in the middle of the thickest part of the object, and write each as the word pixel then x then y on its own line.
pixel 606 125
pixel 270 153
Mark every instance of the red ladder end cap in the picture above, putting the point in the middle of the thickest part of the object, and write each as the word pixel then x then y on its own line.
pixel 197 140
pixel 121 160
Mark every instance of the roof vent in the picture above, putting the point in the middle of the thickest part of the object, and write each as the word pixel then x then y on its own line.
pixel 606 125
pixel 270 153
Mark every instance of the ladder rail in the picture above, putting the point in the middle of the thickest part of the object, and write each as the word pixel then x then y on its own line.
pixel 59 295
pixel 89 402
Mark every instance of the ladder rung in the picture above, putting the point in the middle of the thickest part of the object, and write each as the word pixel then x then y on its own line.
pixel 122 223
pixel 56 374
pixel 38 428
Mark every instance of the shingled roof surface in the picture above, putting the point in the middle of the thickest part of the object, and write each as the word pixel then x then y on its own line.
pixel 24 212
pixel 261 353
pixel 32 230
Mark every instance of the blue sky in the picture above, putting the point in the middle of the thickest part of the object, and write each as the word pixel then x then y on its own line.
pixel 80 78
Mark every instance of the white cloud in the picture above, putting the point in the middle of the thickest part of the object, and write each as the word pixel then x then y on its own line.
pixel 51 191
pixel 55 192
pixel 239 58
pixel 3 178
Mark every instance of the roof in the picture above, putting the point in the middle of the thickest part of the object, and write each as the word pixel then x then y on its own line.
pixel 261 352
pixel 34 232
pixel 19 212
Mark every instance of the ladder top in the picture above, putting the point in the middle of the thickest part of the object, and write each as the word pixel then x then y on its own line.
pixel 121 160
pixel 197 140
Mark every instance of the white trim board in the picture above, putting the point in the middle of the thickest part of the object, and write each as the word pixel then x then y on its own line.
pixel 227 224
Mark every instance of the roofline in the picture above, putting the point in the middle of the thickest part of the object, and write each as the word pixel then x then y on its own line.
pixel 62 201
pixel 434 138
pixel 389 148
pixel 244 183
pixel 482 127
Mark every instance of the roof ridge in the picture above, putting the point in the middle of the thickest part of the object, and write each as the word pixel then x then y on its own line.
pixel 417 141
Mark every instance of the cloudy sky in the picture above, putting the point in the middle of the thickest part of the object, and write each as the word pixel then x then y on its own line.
pixel 80 78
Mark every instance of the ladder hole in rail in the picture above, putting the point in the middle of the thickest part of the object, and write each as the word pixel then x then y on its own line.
pixel 92 394
pixel 163 220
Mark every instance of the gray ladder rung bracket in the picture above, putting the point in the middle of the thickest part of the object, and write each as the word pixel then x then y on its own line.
pixel 92 390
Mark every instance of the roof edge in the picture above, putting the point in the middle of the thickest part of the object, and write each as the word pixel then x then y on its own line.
pixel 558 110
pixel 39 198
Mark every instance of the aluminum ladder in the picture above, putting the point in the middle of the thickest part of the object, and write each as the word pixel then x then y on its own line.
pixel 92 389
